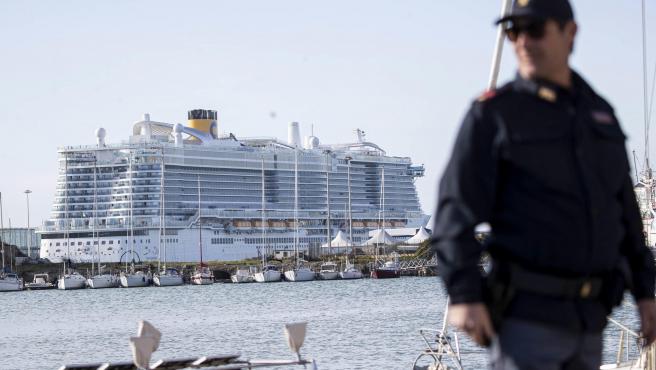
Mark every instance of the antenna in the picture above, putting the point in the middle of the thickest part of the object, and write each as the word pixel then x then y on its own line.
pixel 645 89
pixel 635 166
pixel 498 49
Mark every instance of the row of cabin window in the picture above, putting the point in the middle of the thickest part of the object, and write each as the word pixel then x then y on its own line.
pixel 102 242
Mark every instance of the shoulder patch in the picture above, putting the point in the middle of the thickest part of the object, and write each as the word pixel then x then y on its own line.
pixel 489 94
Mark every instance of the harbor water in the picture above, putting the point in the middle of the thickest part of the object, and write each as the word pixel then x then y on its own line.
pixel 358 324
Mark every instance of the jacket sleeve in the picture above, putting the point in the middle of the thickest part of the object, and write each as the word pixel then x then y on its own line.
pixel 466 197
pixel 640 258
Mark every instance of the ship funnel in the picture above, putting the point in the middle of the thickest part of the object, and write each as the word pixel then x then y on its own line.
pixel 100 136
pixel 177 134
pixel 294 135
pixel 360 134
pixel 204 120
pixel 146 130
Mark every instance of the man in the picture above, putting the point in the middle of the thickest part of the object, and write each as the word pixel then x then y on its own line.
pixel 542 160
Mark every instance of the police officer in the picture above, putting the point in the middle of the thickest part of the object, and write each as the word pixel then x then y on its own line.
pixel 542 160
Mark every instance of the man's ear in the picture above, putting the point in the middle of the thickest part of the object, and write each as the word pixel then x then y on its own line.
pixel 571 29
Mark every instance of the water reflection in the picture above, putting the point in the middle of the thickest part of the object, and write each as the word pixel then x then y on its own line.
pixel 358 324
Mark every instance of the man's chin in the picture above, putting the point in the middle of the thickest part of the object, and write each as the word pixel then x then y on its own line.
pixel 528 72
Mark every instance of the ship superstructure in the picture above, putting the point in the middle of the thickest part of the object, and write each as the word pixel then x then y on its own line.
pixel 110 195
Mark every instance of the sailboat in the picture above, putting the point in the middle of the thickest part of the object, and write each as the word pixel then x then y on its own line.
pixel 8 280
pixel 202 275
pixel 69 280
pixel 132 278
pixel 390 269
pixel 350 271
pixel 99 280
pixel 328 270
pixel 268 273
pixel 299 272
pixel 164 276
pixel 244 275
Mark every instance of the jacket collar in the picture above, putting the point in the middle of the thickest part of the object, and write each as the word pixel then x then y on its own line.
pixel 548 90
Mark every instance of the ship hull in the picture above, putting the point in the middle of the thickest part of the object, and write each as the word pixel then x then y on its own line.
pixel 385 274
pixel 71 282
pixel 10 285
pixel 299 275
pixel 267 277
pixel 103 281
pixel 167 280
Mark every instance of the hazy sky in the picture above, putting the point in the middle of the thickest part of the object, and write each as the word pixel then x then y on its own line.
pixel 403 71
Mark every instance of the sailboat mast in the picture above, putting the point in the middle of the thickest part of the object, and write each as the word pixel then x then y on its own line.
pixel 130 189
pixel 127 230
pixel 161 211
pixel 296 204
pixel 95 211
pixel 348 185
pixel 328 236
pixel 645 91
pixel 382 185
pixel 200 234
pixel 11 250
pixel 264 244
pixel 2 235
pixel 68 225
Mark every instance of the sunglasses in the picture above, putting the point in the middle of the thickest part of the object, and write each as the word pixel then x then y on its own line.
pixel 534 30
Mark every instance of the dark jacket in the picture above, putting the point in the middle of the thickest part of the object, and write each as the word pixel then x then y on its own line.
pixel 547 168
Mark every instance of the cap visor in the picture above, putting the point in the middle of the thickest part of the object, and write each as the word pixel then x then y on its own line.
pixel 528 13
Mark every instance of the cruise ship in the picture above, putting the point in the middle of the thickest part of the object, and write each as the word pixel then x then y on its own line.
pixel 177 187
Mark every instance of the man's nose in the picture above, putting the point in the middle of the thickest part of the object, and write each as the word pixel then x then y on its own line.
pixel 523 39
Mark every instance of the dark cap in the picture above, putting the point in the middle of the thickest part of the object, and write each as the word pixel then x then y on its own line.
pixel 558 10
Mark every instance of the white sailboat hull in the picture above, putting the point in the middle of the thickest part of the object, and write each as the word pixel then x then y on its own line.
pixel 241 279
pixel 134 280
pixel 328 275
pixel 267 276
pixel 103 281
pixel 299 275
pixel 167 280
pixel 72 281
pixel 202 279
pixel 350 274
pixel 10 285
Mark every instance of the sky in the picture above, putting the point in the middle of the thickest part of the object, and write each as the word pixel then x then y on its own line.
pixel 405 72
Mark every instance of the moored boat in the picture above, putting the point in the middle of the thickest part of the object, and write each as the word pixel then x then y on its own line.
pixel 10 282
pixel 299 273
pixel 388 271
pixel 71 281
pixel 101 281
pixel 350 272
pixel 134 279
pixel 243 275
pixel 268 274
pixel 328 271
pixel 168 277
pixel 202 276
pixel 40 282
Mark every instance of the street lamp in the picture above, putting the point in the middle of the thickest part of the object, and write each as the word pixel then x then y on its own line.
pixel 29 234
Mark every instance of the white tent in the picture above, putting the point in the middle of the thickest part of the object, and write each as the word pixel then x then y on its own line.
pixel 421 236
pixel 339 244
pixel 413 243
pixel 380 238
